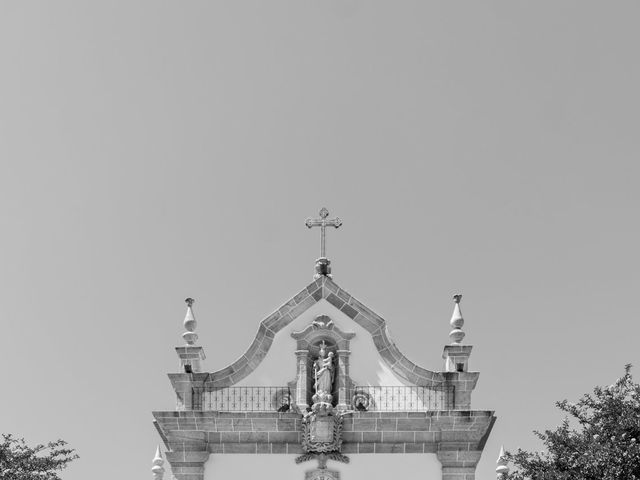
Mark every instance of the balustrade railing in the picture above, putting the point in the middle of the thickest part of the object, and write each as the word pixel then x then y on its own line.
pixel 403 398
pixel 242 399
pixel 363 398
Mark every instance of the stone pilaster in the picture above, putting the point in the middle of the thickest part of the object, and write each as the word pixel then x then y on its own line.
pixel 187 465
pixel 463 384
pixel 342 386
pixel 363 432
pixel 459 464
pixel 186 385
pixel 302 382
pixel 190 358
pixel 456 357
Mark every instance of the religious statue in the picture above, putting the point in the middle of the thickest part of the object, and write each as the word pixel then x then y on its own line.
pixel 324 372
pixel 322 424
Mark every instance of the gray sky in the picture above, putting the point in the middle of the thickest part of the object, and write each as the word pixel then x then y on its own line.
pixel 151 151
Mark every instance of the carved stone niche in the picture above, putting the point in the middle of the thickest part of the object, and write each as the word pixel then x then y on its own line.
pixel 322 331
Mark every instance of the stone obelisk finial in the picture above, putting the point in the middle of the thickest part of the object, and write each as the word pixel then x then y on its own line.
pixel 456 335
pixel 502 470
pixel 190 324
pixel 323 263
pixel 190 354
pixel 158 469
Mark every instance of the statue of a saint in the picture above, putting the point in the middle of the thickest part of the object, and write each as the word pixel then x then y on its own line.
pixel 324 372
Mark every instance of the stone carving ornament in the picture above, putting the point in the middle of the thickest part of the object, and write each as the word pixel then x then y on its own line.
pixel 321 433
pixel 322 425
pixel 322 474
pixel 324 371
pixel 361 401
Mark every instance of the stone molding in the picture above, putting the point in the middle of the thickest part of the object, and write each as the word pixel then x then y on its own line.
pixel 190 355
pixel 312 334
pixel 187 465
pixel 325 288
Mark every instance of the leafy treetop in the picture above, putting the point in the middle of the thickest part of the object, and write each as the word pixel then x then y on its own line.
pixel 18 461
pixel 605 445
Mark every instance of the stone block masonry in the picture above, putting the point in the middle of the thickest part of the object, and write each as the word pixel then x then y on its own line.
pixel 457 437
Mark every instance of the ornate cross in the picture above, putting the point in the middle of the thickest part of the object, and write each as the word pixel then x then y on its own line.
pixel 323 223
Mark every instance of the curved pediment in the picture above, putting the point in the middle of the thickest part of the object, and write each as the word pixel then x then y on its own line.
pixel 324 288
pixel 322 328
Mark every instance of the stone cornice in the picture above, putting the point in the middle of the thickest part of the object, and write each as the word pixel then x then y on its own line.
pixel 364 432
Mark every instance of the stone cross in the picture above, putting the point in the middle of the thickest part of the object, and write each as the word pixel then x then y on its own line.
pixel 323 223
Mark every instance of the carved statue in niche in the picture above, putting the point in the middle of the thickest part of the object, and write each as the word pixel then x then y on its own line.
pixel 322 422
pixel 324 372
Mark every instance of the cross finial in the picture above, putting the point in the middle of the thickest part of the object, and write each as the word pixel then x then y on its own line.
pixel 323 223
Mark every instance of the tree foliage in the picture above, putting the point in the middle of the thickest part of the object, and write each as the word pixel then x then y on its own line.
pixel 598 440
pixel 18 461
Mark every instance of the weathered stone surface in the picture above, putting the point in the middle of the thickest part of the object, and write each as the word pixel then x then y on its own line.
pixel 240 448
pixel 301 296
pixel 456 436
pixel 187 465
pixel 458 464
pixel 302 307
pixel 349 311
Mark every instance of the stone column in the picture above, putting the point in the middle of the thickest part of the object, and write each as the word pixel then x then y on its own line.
pixel 459 464
pixel 302 358
pixel 187 465
pixel 342 384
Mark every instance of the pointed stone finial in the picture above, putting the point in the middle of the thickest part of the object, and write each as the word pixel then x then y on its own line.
pixel 456 335
pixel 190 324
pixel 502 470
pixel 158 469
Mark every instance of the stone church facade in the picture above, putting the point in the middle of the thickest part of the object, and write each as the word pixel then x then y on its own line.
pixel 345 391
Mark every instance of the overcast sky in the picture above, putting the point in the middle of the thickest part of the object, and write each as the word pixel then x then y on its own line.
pixel 153 150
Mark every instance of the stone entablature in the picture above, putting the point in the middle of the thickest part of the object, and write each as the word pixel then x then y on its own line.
pixel 363 432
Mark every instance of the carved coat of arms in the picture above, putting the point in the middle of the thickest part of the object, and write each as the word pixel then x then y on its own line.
pixel 322 434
